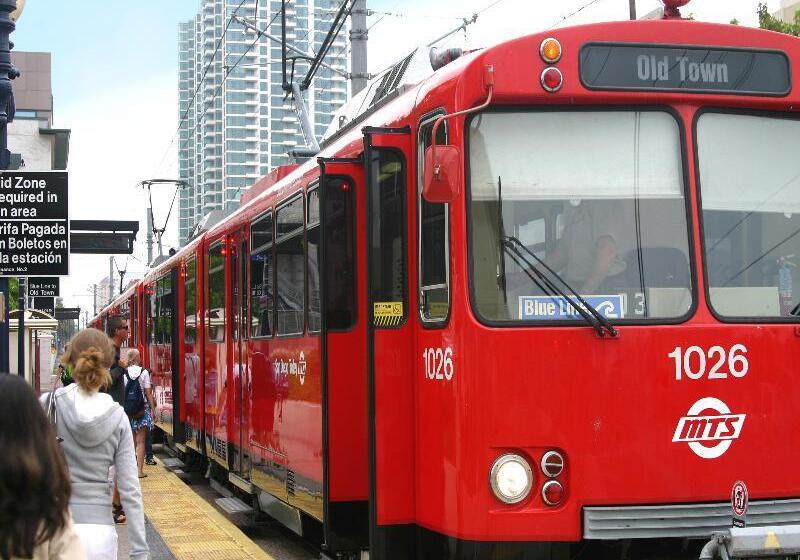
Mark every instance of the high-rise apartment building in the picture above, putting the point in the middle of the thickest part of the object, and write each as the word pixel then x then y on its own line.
pixel 241 126
pixel 787 10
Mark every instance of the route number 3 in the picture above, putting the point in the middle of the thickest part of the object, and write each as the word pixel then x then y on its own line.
pixel 694 362
pixel 438 363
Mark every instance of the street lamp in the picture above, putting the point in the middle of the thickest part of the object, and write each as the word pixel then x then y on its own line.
pixel 18 12
pixel 9 13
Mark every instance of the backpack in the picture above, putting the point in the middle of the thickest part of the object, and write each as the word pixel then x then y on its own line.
pixel 134 397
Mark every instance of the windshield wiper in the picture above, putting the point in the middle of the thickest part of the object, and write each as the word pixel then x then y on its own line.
pixel 509 243
pixel 584 308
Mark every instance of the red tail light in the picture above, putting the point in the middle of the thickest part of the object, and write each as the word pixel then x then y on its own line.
pixel 552 79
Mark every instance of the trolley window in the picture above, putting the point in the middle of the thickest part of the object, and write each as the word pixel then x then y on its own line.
pixel 125 313
pixel 215 293
pixel 134 320
pixel 163 322
pixel 389 250
pixel 190 301
pixel 244 258
pixel 261 279
pixel 290 268
pixel 597 196
pixel 312 265
pixel 750 198
pixel 433 237
pixel 340 281
pixel 149 312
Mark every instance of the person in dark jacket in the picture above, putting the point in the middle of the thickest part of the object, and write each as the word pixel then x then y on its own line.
pixel 117 330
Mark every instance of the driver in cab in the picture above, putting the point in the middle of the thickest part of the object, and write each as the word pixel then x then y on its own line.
pixel 588 252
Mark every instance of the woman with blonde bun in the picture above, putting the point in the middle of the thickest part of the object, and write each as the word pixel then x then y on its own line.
pixel 96 436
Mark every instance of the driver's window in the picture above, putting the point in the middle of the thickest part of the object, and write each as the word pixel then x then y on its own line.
pixel 433 236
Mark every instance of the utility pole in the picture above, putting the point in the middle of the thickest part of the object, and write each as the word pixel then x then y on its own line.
pixel 358 43
pixel 7 73
pixel 151 229
pixel 110 280
pixel 632 4
pixel 149 235
pixel 94 291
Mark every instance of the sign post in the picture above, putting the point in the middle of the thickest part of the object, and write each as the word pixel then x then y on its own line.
pixel 34 233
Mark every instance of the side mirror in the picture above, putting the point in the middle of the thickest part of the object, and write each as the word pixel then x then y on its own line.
pixel 442 178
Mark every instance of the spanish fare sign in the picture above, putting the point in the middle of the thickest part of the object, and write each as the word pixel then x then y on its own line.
pixel 34 224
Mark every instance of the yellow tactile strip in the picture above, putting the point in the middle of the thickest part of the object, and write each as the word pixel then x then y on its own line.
pixel 191 528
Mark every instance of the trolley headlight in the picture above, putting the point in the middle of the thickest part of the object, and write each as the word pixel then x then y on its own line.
pixel 511 478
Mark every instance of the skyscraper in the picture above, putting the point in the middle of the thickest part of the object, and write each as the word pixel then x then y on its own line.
pixel 241 123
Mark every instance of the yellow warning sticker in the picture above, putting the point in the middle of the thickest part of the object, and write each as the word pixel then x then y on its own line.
pixel 387 313
pixel 771 541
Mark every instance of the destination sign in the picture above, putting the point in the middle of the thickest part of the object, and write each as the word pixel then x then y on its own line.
pixel 44 287
pixel 608 66
pixel 67 313
pixel 34 225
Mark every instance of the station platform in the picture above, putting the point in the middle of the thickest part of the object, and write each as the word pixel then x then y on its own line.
pixel 182 525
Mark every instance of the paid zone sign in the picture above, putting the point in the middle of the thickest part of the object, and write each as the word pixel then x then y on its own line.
pixel 34 225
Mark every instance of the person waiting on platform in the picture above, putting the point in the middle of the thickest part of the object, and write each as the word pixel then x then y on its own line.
pixel 34 483
pixel 96 436
pixel 142 420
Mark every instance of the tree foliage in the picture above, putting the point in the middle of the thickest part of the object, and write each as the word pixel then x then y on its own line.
pixel 13 295
pixel 767 21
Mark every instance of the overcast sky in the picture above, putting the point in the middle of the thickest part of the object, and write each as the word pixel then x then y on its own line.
pixel 115 76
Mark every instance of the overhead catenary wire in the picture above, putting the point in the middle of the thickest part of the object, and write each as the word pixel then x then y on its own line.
pixel 566 17
pixel 465 22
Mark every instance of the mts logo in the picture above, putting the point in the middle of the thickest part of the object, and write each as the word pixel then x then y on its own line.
pixel 698 429
pixel 709 428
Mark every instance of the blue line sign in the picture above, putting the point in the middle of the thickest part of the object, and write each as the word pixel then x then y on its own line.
pixel 549 308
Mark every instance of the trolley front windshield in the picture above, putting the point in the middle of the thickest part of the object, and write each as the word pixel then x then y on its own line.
pixel 598 195
pixel 750 193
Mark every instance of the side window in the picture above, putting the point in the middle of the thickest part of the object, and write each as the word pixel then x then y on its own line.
pixel 340 275
pixel 289 267
pixel 134 320
pixel 157 323
pixel 312 237
pixel 262 295
pixel 388 262
pixel 151 301
pixel 190 301
pixel 166 309
pixel 244 292
pixel 125 312
pixel 215 293
pixel 433 237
